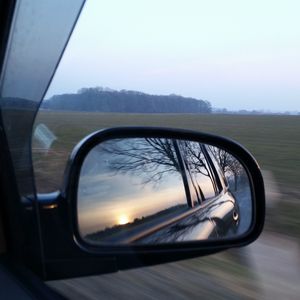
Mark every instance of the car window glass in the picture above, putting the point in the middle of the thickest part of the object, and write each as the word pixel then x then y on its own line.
pixel 241 58
pixel 215 155
pixel 225 164
pixel 198 170
pixel 148 63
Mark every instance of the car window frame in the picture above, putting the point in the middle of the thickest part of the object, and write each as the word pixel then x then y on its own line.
pixel 213 175
pixel 224 183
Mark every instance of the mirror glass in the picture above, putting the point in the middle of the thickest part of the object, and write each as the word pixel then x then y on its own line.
pixel 159 190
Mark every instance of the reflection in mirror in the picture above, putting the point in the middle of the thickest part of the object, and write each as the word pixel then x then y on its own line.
pixel 159 190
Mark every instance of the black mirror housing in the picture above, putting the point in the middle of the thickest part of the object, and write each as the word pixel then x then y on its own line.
pixel 87 258
pixel 149 254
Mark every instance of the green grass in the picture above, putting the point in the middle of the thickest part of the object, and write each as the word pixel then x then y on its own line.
pixel 273 140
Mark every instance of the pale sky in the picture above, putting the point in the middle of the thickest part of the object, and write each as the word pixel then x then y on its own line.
pixel 235 54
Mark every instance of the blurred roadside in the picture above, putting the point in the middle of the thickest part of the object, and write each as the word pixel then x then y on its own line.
pixel 267 269
pixel 273 194
pixel 282 208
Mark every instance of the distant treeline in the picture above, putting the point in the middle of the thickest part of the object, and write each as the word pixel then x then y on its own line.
pixel 107 100
pixel 252 112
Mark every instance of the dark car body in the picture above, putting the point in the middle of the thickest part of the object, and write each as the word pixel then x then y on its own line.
pixel 206 218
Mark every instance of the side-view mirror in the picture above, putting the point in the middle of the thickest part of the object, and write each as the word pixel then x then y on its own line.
pixel 142 190
pixel 138 196
pixel 160 190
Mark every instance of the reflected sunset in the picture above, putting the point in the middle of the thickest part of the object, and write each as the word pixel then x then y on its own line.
pixel 123 219
pixel 120 211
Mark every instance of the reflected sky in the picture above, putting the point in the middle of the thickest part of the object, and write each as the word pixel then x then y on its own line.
pixel 107 197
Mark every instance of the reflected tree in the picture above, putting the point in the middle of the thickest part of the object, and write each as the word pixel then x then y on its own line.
pixel 150 158
pixel 228 163
pixel 153 158
pixel 193 155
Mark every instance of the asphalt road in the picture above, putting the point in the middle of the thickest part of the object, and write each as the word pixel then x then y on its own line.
pixel 267 269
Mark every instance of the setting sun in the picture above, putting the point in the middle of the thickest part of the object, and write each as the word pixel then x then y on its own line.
pixel 123 219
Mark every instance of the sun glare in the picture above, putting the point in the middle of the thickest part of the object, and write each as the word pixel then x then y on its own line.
pixel 123 219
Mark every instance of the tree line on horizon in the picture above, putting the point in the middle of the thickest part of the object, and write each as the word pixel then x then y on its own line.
pixel 107 100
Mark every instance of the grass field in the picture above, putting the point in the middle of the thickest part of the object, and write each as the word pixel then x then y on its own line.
pixel 273 140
